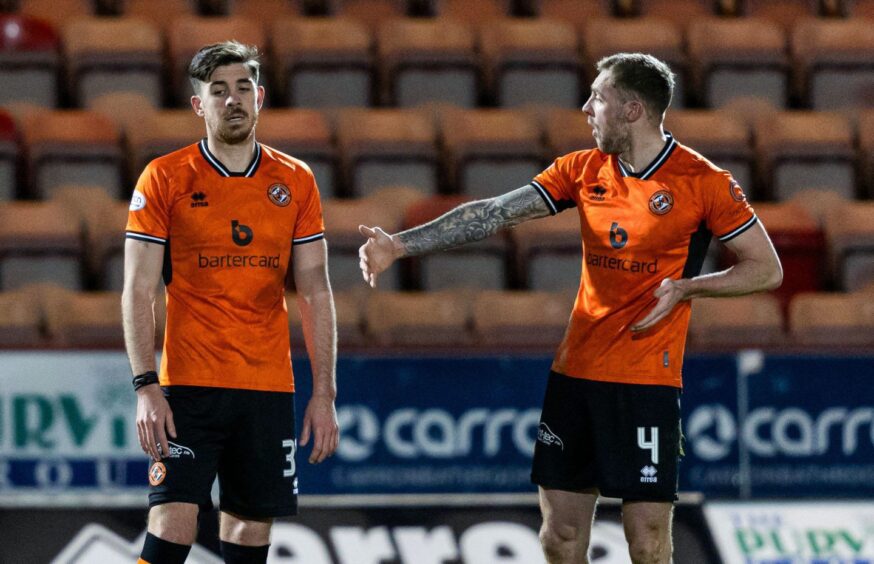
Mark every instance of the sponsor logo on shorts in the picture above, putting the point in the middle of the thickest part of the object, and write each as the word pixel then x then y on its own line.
pixel 648 475
pixel 157 473
pixel 179 451
pixel 547 437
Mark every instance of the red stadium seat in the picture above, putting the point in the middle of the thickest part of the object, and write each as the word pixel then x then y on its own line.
pixel 57 12
pixel 9 143
pixel 427 61
pixel 323 62
pixel 29 61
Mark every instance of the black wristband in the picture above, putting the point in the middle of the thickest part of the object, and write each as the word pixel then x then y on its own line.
pixel 150 377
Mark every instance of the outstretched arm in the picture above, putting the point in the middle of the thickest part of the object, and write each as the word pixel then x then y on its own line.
pixel 467 223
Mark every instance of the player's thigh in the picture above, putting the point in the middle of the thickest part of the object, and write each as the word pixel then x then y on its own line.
pixel 257 470
pixel 567 514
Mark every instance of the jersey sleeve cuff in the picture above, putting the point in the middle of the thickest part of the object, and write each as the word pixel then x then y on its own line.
pixel 308 238
pixel 738 230
pixel 145 237
pixel 554 205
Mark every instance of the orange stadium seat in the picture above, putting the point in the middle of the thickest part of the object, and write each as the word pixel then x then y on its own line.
pixel 746 321
pixel 387 147
pixel 342 218
pixel 29 61
pixel 680 12
pixel 548 252
pixel 528 61
pixel 112 54
pixel 800 149
pixel 187 34
pixel 834 60
pixel 521 319
pixel 323 62
pixel 86 319
pixel 160 133
pixel 866 151
pixel 721 137
pixel 127 109
pixel 418 318
pixel 57 12
pixel 427 61
pixel 832 319
pixel 396 199
pixel 480 265
pixel 654 35
pixel 490 151
pixel 818 202
pixel 307 135
pixel 266 11
pixel 72 147
pixel 39 242
pixel 371 13
pixel 863 9
pixel 473 12
pixel 567 131
pixel 576 12
pixel 20 321
pixel 785 13
pixel 849 231
pixel 732 58
pixel 350 320
pixel 9 138
pixel 155 11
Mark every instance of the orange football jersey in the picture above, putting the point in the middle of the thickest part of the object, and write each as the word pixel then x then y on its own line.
pixel 228 240
pixel 638 229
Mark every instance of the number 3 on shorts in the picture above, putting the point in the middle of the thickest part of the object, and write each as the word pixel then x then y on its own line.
pixel 292 469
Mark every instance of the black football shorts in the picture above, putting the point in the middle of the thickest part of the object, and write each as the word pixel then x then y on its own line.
pixel 245 437
pixel 623 439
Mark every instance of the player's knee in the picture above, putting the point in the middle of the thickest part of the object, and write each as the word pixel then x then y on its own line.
pixel 650 549
pixel 174 522
pixel 561 542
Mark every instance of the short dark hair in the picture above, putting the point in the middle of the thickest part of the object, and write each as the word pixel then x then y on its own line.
pixel 209 58
pixel 643 76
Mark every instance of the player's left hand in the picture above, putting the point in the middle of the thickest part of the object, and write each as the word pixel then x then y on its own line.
pixel 320 421
pixel 669 293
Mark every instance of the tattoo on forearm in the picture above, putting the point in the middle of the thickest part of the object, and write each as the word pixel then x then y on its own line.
pixel 474 221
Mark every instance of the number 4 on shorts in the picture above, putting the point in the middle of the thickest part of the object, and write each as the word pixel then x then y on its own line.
pixel 652 444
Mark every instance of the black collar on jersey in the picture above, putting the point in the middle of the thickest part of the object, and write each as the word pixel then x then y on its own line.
pixel 657 162
pixel 222 169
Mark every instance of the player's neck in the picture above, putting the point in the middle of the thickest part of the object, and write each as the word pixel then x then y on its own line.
pixel 644 148
pixel 235 158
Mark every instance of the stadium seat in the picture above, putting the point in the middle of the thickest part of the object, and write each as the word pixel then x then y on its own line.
pixel 733 58
pixel 473 12
pixel 304 134
pixel 86 320
pixel 187 34
pixel 680 12
pixel 350 320
pixel 576 12
pixel 521 319
pixel 387 147
pixel 528 61
pixel 9 157
pixel 113 54
pixel 548 252
pixel 863 9
pixel 834 62
pixel 29 61
pixel 480 265
pixel 427 61
pixel 818 202
pixel 39 242
pixel 266 11
pixel 323 62
pixel 746 321
pixel 155 11
pixel 785 13
pixel 342 218
pixel 866 151
pixel 396 199
pixel 72 147
pixel 57 12
pixel 654 35
pixel 370 13
pixel 20 321
pixel 423 319
pixel 567 131
pixel 800 244
pixel 799 149
pixel 719 136
pixel 127 109
pixel 490 151
pixel 849 230
pixel 162 132
pixel 832 319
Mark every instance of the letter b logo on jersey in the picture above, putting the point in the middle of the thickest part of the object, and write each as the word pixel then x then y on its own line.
pixel 242 234
pixel 618 236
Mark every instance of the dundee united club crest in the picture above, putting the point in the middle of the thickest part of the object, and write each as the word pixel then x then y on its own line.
pixel 661 202
pixel 279 194
pixel 736 191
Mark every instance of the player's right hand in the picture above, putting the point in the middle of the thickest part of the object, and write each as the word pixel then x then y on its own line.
pixel 377 254
pixel 154 421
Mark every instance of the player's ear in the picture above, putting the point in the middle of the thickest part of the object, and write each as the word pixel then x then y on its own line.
pixel 197 105
pixel 634 110
pixel 260 97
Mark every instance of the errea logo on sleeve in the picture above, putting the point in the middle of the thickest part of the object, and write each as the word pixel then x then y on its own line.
pixel 138 201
